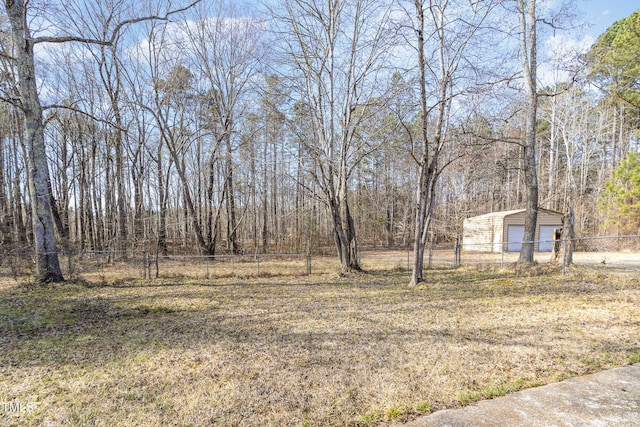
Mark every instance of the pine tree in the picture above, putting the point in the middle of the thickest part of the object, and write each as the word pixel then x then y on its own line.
pixel 621 198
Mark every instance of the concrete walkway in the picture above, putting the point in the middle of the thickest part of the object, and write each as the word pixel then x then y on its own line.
pixel 605 399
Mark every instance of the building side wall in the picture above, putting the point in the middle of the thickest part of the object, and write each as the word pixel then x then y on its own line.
pixel 479 232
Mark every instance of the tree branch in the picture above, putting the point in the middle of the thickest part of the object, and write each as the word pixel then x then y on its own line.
pixel 116 30
pixel 84 113
pixel 15 101
pixel 124 23
pixel 65 39
pixel 6 56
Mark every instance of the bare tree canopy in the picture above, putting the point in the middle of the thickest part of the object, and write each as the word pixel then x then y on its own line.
pixel 220 126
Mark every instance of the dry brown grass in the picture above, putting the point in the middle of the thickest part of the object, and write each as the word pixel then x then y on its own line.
pixel 298 350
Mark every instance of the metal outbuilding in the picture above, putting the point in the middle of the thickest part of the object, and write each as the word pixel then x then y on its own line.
pixel 498 231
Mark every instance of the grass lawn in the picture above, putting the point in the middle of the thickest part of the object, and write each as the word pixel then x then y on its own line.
pixel 302 351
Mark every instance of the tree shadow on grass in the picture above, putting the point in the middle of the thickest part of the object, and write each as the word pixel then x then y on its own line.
pixel 176 315
pixel 82 321
pixel 266 339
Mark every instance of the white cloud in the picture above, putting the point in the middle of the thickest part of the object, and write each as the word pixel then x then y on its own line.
pixel 560 61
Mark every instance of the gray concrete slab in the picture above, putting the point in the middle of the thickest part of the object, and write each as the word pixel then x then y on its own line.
pixel 605 399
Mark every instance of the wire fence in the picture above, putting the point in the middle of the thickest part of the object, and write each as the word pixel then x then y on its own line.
pixel 620 252
pixel 227 265
pixel 114 265
pixel 602 252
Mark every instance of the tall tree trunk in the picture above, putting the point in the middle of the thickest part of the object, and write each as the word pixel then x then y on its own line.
pixel 264 192
pixel 528 39
pixel 5 211
pixel 350 244
pixel 340 237
pixel 84 206
pixel 161 242
pixel 213 211
pixel 302 224
pixel 428 174
pixel 25 235
pixel 16 196
pixel 122 237
pixel 137 177
pixel 189 207
pixel 112 83
pixel 47 264
pixel 568 232
pixel 232 236
pixel 553 150
pixel 424 214
pixel 277 232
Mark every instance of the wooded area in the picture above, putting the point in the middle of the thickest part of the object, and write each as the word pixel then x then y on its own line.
pixel 225 127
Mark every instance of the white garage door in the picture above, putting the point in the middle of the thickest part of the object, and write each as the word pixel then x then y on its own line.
pixel 514 238
pixel 546 238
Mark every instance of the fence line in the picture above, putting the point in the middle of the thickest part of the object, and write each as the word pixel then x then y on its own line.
pixel 616 251
pixel 21 264
pixel 235 260
pixel 593 251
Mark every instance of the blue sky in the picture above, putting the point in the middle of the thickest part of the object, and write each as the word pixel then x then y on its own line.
pixel 597 16
pixel 601 14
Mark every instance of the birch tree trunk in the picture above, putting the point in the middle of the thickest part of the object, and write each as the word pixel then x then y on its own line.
pixel 47 264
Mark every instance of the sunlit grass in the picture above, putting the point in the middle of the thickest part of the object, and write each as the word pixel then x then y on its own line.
pixel 325 349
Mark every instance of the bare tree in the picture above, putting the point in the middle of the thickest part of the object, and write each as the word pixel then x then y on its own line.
pixel 333 52
pixel 173 112
pixel 441 45
pixel 12 147
pixel 225 51
pixel 48 267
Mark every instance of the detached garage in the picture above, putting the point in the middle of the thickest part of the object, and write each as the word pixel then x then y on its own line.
pixel 489 232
